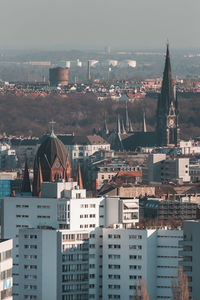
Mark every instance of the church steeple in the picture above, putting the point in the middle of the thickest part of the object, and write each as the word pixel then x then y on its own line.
pixel 105 127
pixel 123 128
pixel 79 177
pixel 26 186
pixel 167 112
pixel 144 126
pixel 167 91
pixel 118 129
pixel 127 119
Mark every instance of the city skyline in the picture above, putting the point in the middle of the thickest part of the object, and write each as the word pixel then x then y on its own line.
pixel 93 24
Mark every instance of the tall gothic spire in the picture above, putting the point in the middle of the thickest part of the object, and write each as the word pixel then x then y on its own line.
pixel 167 109
pixel 167 91
pixel 123 128
pixel 144 126
pixel 26 186
pixel 37 186
pixel 127 120
pixel 130 126
pixel 118 129
pixel 105 127
pixel 79 177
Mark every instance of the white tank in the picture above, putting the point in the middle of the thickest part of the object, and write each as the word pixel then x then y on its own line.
pixel 128 63
pixel 68 64
pixel 93 62
pixel 79 63
pixel 113 62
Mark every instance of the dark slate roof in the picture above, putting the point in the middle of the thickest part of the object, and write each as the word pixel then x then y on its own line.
pixel 29 142
pixel 139 139
pixel 15 142
pixel 50 148
pixel 80 140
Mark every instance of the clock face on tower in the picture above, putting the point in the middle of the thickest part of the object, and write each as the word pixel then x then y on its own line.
pixel 171 123
pixel 57 164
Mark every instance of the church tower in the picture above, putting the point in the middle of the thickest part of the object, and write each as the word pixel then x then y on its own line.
pixel 51 163
pixel 167 129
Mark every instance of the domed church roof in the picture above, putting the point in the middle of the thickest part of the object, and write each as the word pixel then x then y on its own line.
pixel 51 148
pixel 51 163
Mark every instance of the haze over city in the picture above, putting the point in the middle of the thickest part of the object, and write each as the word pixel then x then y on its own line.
pixel 93 24
pixel 99 149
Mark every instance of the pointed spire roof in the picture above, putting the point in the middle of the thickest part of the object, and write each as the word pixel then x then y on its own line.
pixel 38 182
pixel 144 127
pixel 130 126
pixel 68 168
pixel 118 129
pixel 123 128
pixel 167 91
pixel 26 186
pixel 79 177
pixel 105 127
pixel 52 135
pixel 127 119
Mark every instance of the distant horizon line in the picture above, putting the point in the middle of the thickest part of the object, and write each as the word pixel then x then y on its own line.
pixel 96 48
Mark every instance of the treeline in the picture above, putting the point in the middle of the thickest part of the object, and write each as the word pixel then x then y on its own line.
pixel 81 113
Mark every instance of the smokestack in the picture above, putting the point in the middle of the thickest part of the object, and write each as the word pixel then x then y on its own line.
pixel 89 75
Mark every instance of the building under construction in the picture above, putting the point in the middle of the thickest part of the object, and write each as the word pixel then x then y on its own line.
pixel 58 76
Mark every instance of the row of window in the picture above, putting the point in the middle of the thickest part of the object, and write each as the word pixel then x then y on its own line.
pixel 30 276
pixel 30 256
pixel 5 255
pixel 74 277
pixel 30 236
pixel 30 287
pixel 136 247
pixel 114 246
pixel 74 257
pixel 30 246
pixel 75 247
pixel 27 216
pixel 87 226
pixel 74 268
pixel 115 236
pixel 88 205
pixel 79 236
pixel 30 267
pixel 74 287
pixel 88 216
pixel 6 274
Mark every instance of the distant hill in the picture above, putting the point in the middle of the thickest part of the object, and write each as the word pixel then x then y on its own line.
pixel 81 113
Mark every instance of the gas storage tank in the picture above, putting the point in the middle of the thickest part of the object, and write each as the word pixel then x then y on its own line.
pixel 58 76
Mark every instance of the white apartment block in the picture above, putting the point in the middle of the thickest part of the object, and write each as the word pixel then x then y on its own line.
pixel 54 264
pixel 190 256
pixel 6 264
pixel 160 168
pixel 189 147
pixel 120 257
pixel 62 206
pixel 39 261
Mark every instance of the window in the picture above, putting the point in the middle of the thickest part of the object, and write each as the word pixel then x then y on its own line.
pixel 43 217
pixel 113 276
pixel 113 266
pixel 30 267
pixel 30 287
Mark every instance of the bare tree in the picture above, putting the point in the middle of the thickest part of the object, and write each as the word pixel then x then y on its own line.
pixel 141 292
pixel 180 288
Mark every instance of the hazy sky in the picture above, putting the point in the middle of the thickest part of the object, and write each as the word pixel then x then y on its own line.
pixel 97 23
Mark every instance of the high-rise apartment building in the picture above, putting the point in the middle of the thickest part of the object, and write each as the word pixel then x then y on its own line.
pixel 6 263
